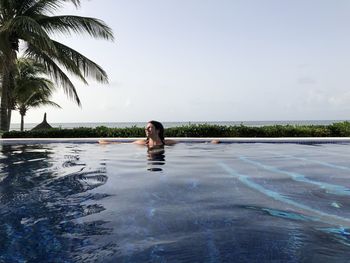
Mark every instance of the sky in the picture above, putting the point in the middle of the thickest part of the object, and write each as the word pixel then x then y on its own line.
pixel 212 60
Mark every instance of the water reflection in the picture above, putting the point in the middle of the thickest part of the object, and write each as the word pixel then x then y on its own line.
pixel 43 210
pixel 156 158
pixel 58 205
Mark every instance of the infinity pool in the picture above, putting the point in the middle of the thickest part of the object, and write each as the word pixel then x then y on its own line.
pixel 192 202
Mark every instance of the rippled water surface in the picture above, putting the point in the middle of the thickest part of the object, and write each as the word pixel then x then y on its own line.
pixel 189 203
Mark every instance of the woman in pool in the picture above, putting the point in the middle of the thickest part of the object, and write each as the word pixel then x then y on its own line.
pixel 154 136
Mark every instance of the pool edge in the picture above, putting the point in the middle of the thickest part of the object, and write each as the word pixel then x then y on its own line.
pixel 300 140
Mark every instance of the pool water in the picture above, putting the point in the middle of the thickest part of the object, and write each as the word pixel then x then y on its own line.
pixel 192 202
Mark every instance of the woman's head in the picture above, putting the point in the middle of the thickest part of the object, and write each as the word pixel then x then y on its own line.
pixel 155 129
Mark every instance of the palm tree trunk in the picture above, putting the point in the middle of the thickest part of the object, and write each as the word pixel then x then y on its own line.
pixel 22 112
pixel 8 85
pixel 4 102
pixel 9 113
pixel 22 122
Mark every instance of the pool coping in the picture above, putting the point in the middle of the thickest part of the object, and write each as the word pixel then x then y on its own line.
pixel 299 140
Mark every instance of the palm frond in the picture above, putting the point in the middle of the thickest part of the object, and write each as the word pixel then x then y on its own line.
pixel 76 24
pixel 28 29
pixel 41 103
pixel 31 90
pixel 23 5
pixel 54 71
pixel 6 7
pixel 30 67
pixel 23 86
pixel 43 6
pixel 73 60
pixel 49 6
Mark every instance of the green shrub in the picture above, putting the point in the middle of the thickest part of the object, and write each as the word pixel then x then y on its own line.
pixel 198 130
pixel 341 129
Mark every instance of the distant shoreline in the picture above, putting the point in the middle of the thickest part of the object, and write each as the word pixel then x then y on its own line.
pixel 28 126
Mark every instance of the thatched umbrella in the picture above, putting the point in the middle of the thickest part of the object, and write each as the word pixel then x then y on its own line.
pixel 42 126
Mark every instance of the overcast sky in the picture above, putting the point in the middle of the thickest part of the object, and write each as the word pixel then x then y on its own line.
pixel 213 60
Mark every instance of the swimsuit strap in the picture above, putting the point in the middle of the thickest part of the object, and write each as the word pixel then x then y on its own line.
pixel 162 140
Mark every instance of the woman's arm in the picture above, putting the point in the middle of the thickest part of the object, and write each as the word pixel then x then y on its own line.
pixel 169 142
pixel 139 142
pixel 107 142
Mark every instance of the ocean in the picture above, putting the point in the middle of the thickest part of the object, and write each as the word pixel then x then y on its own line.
pixel 28 126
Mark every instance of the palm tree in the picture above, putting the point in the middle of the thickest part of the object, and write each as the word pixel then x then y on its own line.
pixel 32 23
pixel 31 90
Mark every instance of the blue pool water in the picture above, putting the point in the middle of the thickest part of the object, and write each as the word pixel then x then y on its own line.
pixel 83 202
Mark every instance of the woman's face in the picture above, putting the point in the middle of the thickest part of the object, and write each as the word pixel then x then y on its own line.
pixel 150 130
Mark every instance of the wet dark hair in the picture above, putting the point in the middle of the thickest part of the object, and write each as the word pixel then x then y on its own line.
pixel 160 128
